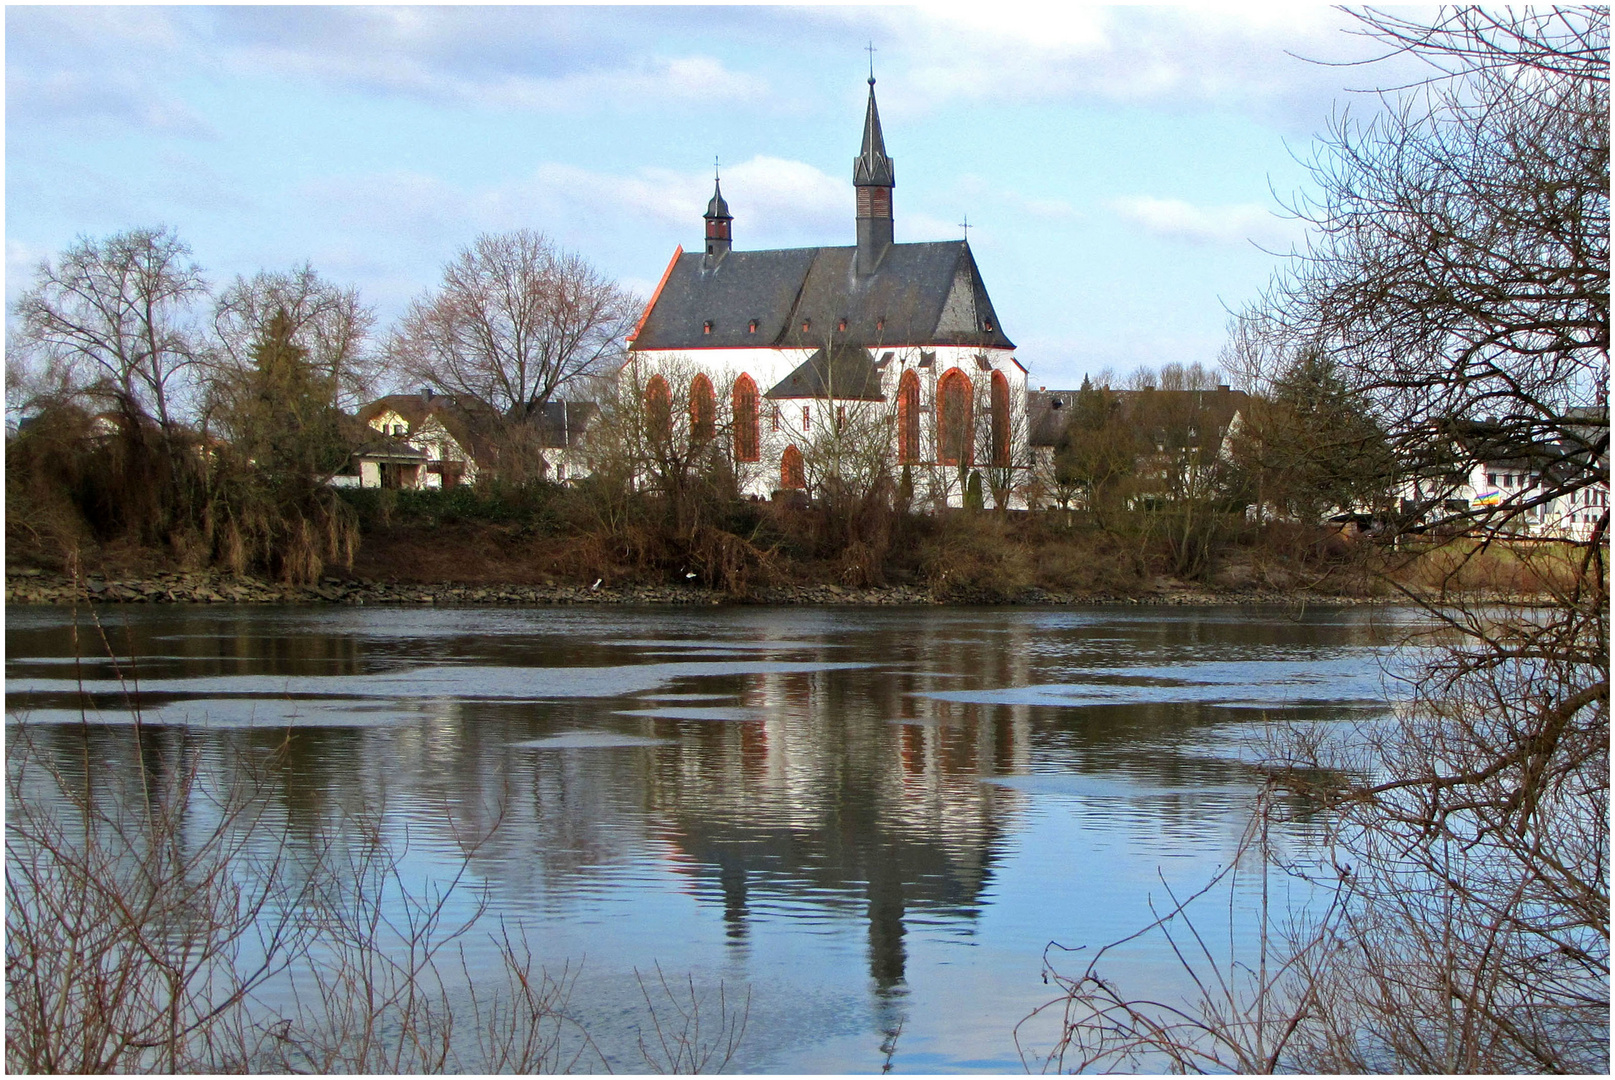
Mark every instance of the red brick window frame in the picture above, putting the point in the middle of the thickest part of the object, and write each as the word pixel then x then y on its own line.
pixel 792 475
pixel 954 422
pixel 1000 419
pixel 703 410
pixel 908 419
pixel 658 410
pixel 744 399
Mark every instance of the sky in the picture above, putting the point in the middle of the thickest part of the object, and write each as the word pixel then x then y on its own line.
pixel 1123 170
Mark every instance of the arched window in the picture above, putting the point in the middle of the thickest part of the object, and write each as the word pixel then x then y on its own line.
pixel 792 476
pixel 658 410
pixel 703 411
pixel 745 406
pixel 1000 413
pixel 953 420
pixel 908 419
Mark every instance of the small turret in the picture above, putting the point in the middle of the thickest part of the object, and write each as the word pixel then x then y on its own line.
pixel 718 219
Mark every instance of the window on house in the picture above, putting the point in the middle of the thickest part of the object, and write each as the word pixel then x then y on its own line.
pixel 706 327
pixel 807 418
pixel 880 323
pixel 751 327
pixel 805 324
pixel 1491 478
pixel 842 325
pixel 773 419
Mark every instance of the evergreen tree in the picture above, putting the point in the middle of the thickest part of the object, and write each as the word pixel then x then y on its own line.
pixel 286 420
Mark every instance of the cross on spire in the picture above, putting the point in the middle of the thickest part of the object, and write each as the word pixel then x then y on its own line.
pixel 871 50
pixel 965 225
pixel 714 168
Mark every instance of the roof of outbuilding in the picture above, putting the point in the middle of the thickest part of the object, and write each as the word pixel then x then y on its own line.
pixel 846 372
pixel 921 294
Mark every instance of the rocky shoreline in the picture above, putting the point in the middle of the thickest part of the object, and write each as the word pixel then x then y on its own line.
pixel 34 586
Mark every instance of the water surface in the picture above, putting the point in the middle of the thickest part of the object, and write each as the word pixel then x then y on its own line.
pixel 874 820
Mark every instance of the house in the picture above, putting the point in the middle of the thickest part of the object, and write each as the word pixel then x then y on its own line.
pixel 424 440
pixel 1552 488
pixel 787 351
pixel 435 440
pixel 1182 436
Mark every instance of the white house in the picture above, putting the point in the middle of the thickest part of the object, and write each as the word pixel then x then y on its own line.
pixel 787 349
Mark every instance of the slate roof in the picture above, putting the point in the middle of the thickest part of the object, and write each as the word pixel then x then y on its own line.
pixel 561 424
pixel 1048 411
pixel 848 370
pixel 872 167
pixel 921 294
pixel 718 207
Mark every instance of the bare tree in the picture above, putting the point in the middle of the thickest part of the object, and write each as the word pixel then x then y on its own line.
pixel 514 321
pixel 1459 286
pixel 328 322
pixel 117 311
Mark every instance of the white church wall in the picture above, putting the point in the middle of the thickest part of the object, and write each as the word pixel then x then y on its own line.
pixel 783 423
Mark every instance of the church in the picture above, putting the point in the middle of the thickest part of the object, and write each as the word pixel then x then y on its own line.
pixel 804 361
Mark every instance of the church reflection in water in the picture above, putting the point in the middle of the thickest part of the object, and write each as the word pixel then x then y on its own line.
pixel 850 793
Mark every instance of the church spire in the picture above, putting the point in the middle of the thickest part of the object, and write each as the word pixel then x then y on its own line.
pixel 873 180
pixel 873 167
pixel 718 219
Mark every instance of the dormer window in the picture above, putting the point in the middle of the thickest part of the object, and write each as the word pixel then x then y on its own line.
pixel 805 324
pixel 751 327
pixel 842 325
pixel 987 325
pixel 880 323
pixel 706 327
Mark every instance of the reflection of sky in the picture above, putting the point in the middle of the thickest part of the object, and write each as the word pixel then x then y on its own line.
pixel 865 816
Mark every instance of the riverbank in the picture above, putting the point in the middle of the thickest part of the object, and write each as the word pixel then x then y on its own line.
pixel 31 585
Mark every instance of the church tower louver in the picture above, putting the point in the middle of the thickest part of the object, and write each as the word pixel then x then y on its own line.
pixel 873 180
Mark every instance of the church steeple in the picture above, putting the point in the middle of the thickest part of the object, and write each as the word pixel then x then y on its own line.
pixel 718 219
pixel 873 179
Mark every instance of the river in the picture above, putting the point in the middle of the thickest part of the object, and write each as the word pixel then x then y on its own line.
pixel 871 820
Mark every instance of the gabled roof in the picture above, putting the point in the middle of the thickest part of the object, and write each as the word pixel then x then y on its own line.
pixel 922 294
pixel 561 424
pixel 467 419
pixel 846 372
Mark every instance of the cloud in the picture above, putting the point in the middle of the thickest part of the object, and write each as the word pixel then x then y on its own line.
pixel 775 201
pixel 1163 58
pixel 537 59
pixel 1175 219
pixel 770 197
pixel 113 102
